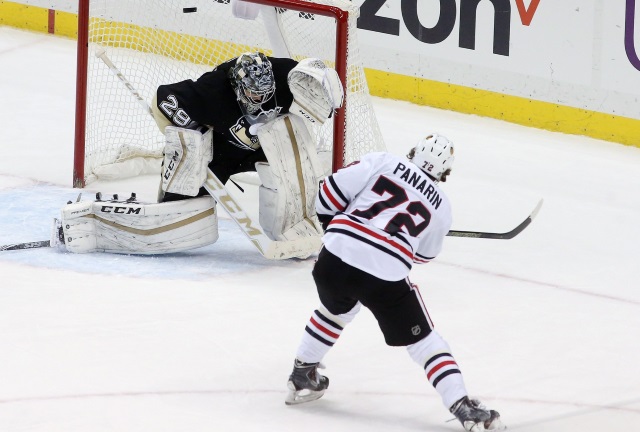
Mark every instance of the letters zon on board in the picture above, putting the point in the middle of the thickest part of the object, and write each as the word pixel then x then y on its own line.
pixel 369 20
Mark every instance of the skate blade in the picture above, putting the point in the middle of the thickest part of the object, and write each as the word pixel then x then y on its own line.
pixel 494 425
pixel 295 397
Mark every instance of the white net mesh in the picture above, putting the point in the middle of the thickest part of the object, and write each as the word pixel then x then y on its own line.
pixel 155 42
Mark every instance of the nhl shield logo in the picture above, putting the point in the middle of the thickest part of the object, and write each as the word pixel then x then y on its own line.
pixel 416 330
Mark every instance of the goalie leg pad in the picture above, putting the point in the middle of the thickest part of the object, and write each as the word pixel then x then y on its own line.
pixel 277 224
pixel 137 228
pixel 289 180
pixel 187 154
pixel 280 215
pixel 272 209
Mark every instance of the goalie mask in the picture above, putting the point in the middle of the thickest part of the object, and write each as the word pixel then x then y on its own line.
pixel 434 155
pixel 253 81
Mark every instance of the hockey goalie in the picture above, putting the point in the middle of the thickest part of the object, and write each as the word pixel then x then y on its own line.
pixel 250 113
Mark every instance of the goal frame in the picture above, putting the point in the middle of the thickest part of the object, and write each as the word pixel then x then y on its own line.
pixel 341 17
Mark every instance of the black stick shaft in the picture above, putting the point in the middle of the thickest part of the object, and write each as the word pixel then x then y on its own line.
pixel 501 236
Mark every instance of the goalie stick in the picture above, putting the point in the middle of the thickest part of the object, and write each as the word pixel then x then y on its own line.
pixel 271 249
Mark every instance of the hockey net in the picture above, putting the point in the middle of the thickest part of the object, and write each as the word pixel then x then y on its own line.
pixel 155 42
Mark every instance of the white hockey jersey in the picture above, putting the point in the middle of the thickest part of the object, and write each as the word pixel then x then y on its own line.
pixel 387 214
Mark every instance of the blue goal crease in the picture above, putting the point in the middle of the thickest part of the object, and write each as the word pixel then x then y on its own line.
pixel 26 214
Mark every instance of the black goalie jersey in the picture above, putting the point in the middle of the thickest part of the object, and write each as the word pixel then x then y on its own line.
pixel 387 214
pixel 211 101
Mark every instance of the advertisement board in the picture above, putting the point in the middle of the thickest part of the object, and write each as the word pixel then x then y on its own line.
pixel 570 65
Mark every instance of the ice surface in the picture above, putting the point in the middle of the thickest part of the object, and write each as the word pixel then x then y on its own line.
pixel 545 327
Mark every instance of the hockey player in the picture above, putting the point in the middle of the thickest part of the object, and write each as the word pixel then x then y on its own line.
pixel 381 216
pixel 251 113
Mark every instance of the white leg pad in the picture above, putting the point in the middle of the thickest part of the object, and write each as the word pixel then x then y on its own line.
pixel 289 181
pixel 139 229
pixel 187 154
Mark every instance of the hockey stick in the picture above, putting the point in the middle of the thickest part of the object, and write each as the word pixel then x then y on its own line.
pixel 55 234
pixel 28 245
pixel 270 249
pixel 501 236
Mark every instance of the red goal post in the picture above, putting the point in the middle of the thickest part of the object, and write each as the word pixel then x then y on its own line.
pixel 153 42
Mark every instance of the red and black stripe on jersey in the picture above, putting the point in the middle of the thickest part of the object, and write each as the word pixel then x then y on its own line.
pixel 393 245
pixel 331 198
pixel 417 258
pixel 379 223
pixel 335 202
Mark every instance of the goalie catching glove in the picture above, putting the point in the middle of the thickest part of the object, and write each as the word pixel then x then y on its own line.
pixel 317 90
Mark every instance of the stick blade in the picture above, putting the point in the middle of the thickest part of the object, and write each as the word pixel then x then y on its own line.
pixel 500 236
pixel 28 245
pixel 301 248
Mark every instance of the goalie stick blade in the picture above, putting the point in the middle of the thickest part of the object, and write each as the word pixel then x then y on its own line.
pixel 300 248
pixel 270 249
pixel 500 236
pixel 28 245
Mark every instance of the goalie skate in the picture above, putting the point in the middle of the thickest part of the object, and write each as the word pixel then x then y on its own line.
pixel 305 383
pixel 475 417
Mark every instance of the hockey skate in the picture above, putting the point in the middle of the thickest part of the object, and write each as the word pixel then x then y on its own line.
pixel 305 383
pixel 475 417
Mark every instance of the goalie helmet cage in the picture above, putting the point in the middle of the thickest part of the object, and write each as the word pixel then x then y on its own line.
pixel 154 42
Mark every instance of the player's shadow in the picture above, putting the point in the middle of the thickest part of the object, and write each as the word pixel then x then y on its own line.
pixel 374 421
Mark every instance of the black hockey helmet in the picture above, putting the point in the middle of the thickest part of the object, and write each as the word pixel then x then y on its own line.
pixel 252 79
